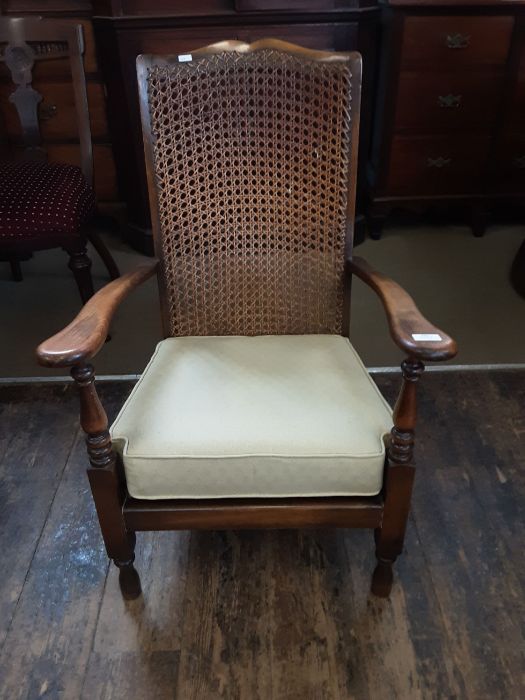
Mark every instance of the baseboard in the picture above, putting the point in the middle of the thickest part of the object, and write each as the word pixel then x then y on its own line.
pixel 372 370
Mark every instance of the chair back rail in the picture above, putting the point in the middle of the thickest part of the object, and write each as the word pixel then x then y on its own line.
pixel 25 40
pixel 251 156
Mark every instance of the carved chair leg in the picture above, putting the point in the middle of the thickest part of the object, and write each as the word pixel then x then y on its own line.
pixel 382 578
pixel 399 479
pixel 106 482
pixel 80 266
pixel 375 219
pixel 106 257
pixel 375 224
pixel 479 218
pixel 128 576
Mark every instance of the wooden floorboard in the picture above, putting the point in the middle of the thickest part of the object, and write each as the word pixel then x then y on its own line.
pixel 36 436
pixel 263 615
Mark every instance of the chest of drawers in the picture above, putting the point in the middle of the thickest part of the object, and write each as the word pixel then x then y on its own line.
pixel 450 109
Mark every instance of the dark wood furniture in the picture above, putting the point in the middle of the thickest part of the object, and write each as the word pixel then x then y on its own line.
pixel 450 113
pixel 46 205
pixel 126 28
pixel 53 81
pixel 269 246
pixel 517 273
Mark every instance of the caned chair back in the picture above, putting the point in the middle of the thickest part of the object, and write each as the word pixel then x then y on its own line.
pixel 251 153
pixel 26 40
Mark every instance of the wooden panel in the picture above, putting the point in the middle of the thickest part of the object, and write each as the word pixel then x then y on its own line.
pixel 261 5
pixel 416 168
pixel 234 513
pixel 446 101
pixel 479 41
pixel 167 8
pixel 104 166
pixel 341 37
pixel 508 172
pixel 516 116
pixel 59 68
pixel 61 123
pixel 166 41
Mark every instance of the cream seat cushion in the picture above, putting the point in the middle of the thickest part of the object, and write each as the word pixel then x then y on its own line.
pixel 230 417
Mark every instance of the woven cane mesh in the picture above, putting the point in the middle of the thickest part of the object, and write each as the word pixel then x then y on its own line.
pixel 251 162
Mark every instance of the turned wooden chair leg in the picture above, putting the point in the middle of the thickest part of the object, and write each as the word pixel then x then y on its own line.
pixel 375 219
pixel 106 482
pixel 399 478
pixel 106 257
pixel 80 266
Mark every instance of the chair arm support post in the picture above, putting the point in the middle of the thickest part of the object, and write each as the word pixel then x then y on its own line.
pixel 405 412
pixel 106 481
pixel 399 479
pixel 93 418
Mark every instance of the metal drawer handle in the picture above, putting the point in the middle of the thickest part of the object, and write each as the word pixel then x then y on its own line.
pixel 449 100
pixel 438 162
pixel 458 41
pixel 519 162
pixel 47 112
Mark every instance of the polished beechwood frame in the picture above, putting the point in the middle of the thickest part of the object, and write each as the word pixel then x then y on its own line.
pixel 121 516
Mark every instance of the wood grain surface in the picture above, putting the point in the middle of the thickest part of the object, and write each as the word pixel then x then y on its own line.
pixel 269 614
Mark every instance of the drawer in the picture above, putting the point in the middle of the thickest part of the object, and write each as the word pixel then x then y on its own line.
pixel 508 173
pixel 57 111
pixel 436 165
pixel 324 37
pixel 172 41
pixel 449 42
pixel 341 36
pixel 446 101
pixel 294 5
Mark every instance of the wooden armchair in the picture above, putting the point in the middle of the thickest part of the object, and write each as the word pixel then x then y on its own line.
pixel 46 205
pixel 255 411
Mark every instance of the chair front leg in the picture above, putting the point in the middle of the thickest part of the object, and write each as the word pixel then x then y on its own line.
pixel 106 481
pixel 399 477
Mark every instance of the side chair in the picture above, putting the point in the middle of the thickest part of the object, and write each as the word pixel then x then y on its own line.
pixel 46 204
pixel 255 411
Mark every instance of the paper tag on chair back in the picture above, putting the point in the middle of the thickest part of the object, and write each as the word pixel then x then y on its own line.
pixel 251 156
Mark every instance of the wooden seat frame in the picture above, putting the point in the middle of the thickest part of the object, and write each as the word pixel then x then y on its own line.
pixel 121 516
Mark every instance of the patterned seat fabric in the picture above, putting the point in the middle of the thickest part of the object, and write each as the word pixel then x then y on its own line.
pixel 39 199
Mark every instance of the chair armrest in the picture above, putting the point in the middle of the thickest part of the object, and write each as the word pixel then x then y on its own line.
pixel 87 333
pixel 409 329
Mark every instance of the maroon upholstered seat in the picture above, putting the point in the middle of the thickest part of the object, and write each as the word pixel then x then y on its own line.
pixel 39 199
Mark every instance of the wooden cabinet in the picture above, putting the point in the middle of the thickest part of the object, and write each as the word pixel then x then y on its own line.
pixel 450 109
pixel 170 27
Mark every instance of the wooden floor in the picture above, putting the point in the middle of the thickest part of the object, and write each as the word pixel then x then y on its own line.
pixel 262 615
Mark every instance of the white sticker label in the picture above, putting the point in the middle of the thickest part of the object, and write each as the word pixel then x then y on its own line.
pixel 427 336
pixel 184 57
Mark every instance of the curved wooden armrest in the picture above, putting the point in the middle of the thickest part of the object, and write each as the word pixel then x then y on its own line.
pixel 409 329
pixel 84 336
